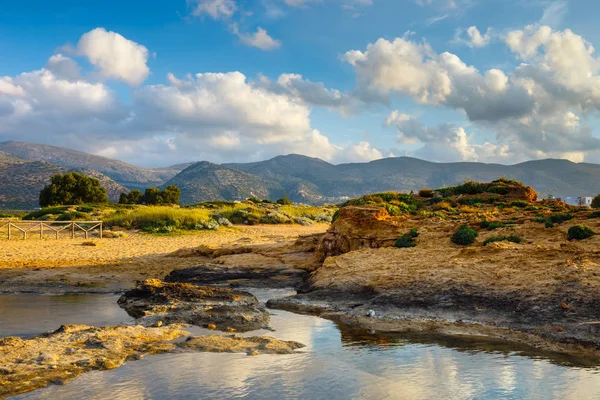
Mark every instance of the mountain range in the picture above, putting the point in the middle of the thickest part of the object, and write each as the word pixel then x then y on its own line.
pixel 26 167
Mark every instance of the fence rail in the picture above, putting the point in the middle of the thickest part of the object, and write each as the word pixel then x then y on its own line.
pixel 55 227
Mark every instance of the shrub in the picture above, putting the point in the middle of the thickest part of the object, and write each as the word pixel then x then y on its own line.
pixel 511 238
pixel 74 216
pixel 579 232
pixel 519 204
pixel 408 240
pixel 471 200
pixel 426 193
pixel 72 188
pixel 596 202
pixel 464 236
pixel 336 215
pixel 595 214
pixel 491 225
pixel 560 217
pixel 502 190
pixel 285 201
pixel 393 210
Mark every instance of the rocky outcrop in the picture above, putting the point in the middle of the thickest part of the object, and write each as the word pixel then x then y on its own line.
pixel 71 350
pixel 60 356
pixel 358 228
pixel 237 344
pixel 156 302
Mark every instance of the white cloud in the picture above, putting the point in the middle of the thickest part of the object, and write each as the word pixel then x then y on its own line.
pixel 443 143
pixel 63 67
pixel 259 39
pixel 360 152
pixel 476 39
pixel 538 109
pixel 115 56
pixel 217 9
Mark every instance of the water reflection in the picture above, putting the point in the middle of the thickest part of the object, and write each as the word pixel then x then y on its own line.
pixel 342 363
pixel 30 314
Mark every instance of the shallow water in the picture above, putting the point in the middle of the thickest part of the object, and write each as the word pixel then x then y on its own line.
pixel 336 364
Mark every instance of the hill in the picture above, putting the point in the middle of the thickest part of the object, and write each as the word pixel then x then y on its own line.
pixel 205 181
pixel 315 181
pixel 22 181
pixel 125 174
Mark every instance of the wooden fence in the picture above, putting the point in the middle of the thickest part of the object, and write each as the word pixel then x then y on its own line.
pixel 41 228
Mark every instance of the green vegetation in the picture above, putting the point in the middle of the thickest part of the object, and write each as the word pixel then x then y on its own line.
pixel 596 201
pixel 426 193
pixel 552 219
pixel 408 240
pixel 152 196
pixel 72 188
pixel 579 232
pixel 491 225
pixel 464 236
pixel 595 214
pixel 510 238
pixel 168 219
pixel 285 201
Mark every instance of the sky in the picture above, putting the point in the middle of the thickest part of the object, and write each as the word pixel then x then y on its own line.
pixel 157 83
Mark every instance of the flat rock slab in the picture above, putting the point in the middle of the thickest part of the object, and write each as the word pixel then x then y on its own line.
pixel 272 276
pixel 155 302
pixel 236 344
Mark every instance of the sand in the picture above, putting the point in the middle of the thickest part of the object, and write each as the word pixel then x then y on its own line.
pixel 50 265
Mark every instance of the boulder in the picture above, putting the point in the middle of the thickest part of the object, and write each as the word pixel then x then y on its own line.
pixel 154 300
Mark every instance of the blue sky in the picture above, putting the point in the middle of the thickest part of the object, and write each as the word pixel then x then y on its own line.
pixel 444 80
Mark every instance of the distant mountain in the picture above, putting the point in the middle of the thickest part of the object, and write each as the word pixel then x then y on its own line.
pixel 204 181
pixel 22 180
pixel 311 180
pixel 125 174
pixel 303 179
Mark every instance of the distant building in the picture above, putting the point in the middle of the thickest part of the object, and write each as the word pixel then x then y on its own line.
pixel 579 201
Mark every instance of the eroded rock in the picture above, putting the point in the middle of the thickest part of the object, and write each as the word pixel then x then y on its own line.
pixel 154 300
pixel 71 350
pixel 237 344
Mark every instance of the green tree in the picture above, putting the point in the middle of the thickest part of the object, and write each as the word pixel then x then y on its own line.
pixel 284 200
pixel 134 197
pixel 170 195
pixel 72 188
pixel 596 202
pixel 152 196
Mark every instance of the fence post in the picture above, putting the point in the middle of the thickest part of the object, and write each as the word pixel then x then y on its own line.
pixel 100 229
pixel 72 230
pixel 9 230
pixel 41 230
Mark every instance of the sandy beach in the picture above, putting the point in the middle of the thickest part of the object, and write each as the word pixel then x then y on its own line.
pixel 50 264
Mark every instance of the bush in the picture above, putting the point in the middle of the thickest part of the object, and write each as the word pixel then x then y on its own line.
pixel 511 238
pixel 469 201
pixel 426 193
pixel 595 214
pixel 74 216
pixel 285 201
pixel 72 188
pixel 519 204
pixel 408 240
pixel 464 236
pixel 393 210
pixel 335 217
pixel 596 202
pixel 491 225
pixel 579 232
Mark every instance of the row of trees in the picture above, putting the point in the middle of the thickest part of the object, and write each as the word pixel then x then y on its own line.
pixel 75 188
pixel 152 196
